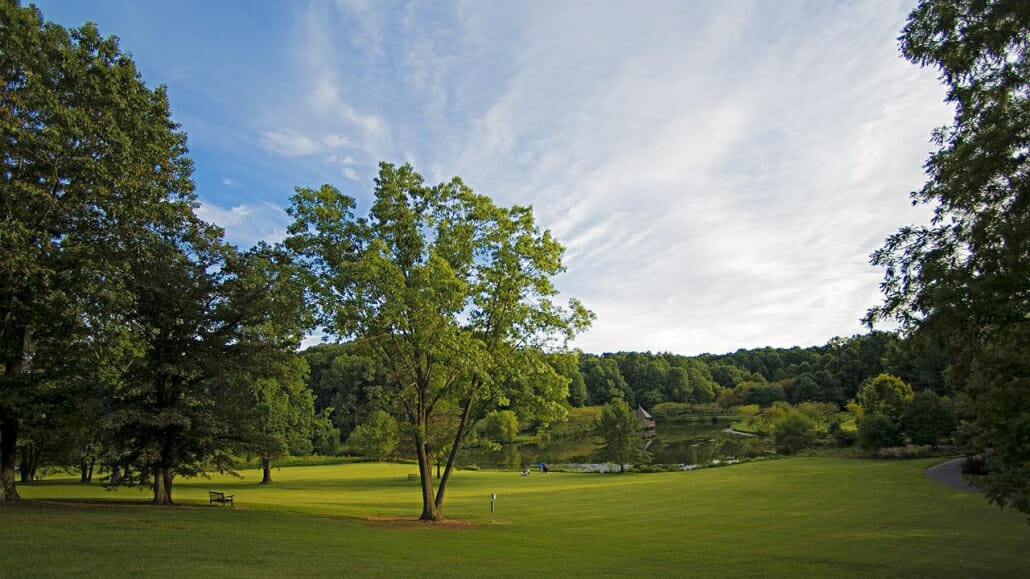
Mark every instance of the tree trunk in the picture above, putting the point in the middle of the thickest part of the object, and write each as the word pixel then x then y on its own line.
pixel 162 486
pixel 430 512
pixel 29 461
pixel 8 458
pixel 458 437
pixel 266 468
pixel 83 471
pixel 89 475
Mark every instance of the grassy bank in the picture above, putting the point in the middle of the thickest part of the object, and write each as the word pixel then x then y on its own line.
pixel 797 517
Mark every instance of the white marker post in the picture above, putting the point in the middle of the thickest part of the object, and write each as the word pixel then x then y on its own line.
pixel 493 497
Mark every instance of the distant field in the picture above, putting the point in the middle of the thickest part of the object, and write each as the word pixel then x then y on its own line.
pixel 794 517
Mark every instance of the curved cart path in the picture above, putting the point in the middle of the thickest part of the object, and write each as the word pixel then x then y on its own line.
pixel 949 473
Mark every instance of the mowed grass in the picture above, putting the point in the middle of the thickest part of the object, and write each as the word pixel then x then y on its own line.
pixel 793 517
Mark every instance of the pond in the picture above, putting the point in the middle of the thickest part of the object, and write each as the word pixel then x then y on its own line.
pixel 694 443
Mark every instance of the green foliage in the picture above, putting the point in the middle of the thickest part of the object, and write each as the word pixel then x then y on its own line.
pixel 603 379
pixel 876 431
pixel 502 426
pixel 884 394
pixel 758 393
pixel 90 161
pixel 962 281
pixel 345 378
pixel 450 293
pixel 621 430
pixel 928 419
pixel 566 364
pixel 794 433
pixel 377 437
pixel 682 412
pixel 580 423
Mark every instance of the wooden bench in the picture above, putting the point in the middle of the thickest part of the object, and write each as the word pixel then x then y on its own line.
pixel 412 476
pixel 217 497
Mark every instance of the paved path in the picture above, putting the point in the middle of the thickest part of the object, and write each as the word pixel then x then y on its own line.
pixel 949 473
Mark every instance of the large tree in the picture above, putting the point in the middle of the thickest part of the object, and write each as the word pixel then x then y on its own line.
pixel 964 280
pixel 88 155
pixel 451 293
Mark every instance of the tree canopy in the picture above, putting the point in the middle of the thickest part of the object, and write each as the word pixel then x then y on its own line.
pixel 964 279
pixel 89 157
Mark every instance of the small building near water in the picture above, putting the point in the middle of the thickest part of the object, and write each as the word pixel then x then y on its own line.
pixel 647 421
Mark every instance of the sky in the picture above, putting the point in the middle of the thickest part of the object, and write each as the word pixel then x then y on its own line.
pixel 719 172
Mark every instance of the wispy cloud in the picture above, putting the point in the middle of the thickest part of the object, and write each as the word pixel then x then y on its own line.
pixel 718 172
pixel 247 224
pixel 289 143
pixel 719 176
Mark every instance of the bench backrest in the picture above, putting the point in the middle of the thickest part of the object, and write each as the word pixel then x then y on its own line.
pixel 215 495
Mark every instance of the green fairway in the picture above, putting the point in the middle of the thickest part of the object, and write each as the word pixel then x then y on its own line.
pixel 795 517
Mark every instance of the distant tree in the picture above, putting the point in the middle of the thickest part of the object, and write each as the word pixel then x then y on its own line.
pixel 884 394
pixel 729 375
pixel 346 378
pixel 794 432
pixel 567 365
pixel 964 279
pixel 876 431
pixel 284 419
pixel 928 418
pixel 286 422
pixel 377 437
pixel 502 426
pixel 729 397
pixel 621 430
pixel 603 379
pixel 803 388
pixel 689 380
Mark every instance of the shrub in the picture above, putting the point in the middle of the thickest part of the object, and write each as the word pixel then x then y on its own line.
pixel 876 431
pixel 793 433
pixel 903 452
pixel 842 436
pixel 975 465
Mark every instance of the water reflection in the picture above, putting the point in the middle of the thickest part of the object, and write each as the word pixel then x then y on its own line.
pixel 689 446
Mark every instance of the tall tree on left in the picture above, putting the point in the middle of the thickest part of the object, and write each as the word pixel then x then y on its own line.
pixel 88 157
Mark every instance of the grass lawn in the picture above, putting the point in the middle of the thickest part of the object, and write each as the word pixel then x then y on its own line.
pixel 794 517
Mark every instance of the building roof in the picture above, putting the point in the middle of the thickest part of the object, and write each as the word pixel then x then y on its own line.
pixel 641 413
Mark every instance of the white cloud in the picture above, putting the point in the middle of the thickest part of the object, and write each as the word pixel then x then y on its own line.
pixel 289 143
pixel 718 173
pixel 247 224
pixel 718 176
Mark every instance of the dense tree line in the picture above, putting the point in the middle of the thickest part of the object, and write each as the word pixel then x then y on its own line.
pixel 828 373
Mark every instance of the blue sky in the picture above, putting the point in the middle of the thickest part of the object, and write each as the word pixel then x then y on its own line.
pixel 719 171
